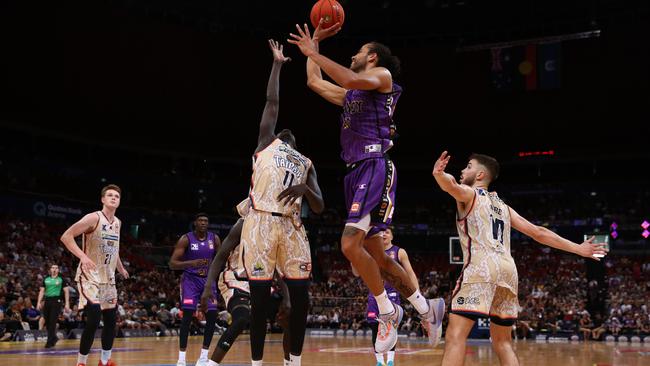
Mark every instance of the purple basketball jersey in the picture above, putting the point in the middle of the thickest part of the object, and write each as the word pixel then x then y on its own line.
pixel 200 249
pixel 372 310
pixel 366 123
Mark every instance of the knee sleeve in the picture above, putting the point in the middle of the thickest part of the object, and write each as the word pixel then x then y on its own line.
pixel 210 321
pixel 502 322
pixel 185 328
pixel 93 315
pixel 260 298
pixel 299 296
pixel 240 320
pixel 108 332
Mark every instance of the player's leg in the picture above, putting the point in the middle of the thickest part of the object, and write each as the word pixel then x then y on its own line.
pixel 378 356
pixel 299 296
pixel 89 302
pixel 109 316
pixel 294 264
pixel 286 345
pixel 210 323
pixel 188 305
pixel 365 187
pixel 366 266
pixel 503 314
pixel 390 357
pixel 260 298
pixel 353 249
pixel 382 191
pixel 239 309
pixel 431 311
pixel 501 335
pixel 357 225
pixel 455 339
pixel 259 253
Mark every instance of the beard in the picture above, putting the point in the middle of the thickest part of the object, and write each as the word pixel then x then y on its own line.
pixel 358 66
pixel 468 181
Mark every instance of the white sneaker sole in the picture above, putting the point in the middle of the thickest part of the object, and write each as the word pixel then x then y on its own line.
pixel 392 335
pixel 439 311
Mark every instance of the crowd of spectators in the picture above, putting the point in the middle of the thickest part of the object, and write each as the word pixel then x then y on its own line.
pixel 554 291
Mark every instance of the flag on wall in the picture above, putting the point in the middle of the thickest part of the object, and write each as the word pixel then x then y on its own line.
pixel 549 65
pixel 528 67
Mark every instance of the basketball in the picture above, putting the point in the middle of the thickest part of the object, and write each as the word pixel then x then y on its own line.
pixel 331 12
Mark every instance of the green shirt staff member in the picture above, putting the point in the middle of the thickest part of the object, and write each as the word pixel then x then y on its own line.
pixel 49 300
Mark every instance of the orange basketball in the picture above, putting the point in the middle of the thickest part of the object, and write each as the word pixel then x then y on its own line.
pixel 331 12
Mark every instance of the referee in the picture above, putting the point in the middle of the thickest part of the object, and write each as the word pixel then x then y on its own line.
pixel 49 301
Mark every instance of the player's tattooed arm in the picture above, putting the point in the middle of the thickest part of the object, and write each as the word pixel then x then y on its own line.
pixel 175 261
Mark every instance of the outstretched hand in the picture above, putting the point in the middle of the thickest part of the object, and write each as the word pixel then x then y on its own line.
pixel 277 49
pixel 303 40
pixel 321 33
pixel 589 249
pixel 441 164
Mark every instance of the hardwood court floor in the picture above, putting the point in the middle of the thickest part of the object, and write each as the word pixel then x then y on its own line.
pixel 324 351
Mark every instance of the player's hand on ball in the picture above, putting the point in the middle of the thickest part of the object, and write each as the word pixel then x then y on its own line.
pixel 321 33
pixel 291 194
pixel 589 249
pixel 441 164
pixel 303 41
pixel 277 49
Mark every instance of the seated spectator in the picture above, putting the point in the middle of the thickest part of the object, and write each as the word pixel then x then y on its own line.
pixel 30 314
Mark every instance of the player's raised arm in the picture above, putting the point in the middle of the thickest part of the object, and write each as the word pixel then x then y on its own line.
pixel 545 236
pixel 272 106
pixel 462 193
pixel 85 225
pixel 329 91
pixel 376 78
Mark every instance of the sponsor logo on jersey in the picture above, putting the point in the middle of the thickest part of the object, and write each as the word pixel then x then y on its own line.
pixel 258 268
pixel 110 237
pixel 194 246
pixel 372 314
pixel 188 302
pixel 305 267
pixel 468 301
pixel 355 207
